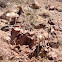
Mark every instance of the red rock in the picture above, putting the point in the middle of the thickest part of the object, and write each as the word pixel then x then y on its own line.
pixel 22 37
pixel 14 33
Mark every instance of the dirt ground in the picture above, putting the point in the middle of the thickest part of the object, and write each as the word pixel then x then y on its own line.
pixel 30 30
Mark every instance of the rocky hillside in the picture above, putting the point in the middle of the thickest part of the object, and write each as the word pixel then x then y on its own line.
pixel 30 30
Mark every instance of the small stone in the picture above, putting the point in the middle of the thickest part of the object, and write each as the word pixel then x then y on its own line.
pixel 45 34
pixel 52 30
pixel 40 36
pixel 2 5
pixel 5 28
pixel 35 5
pixel 54 44
pixel 1 58
pixel 51 8
pixel 59 9
pixel 46 50
pixel 12 14
pixel 45 13
pixel 52 55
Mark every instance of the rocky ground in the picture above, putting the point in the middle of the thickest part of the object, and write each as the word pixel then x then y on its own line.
pixel 30 30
